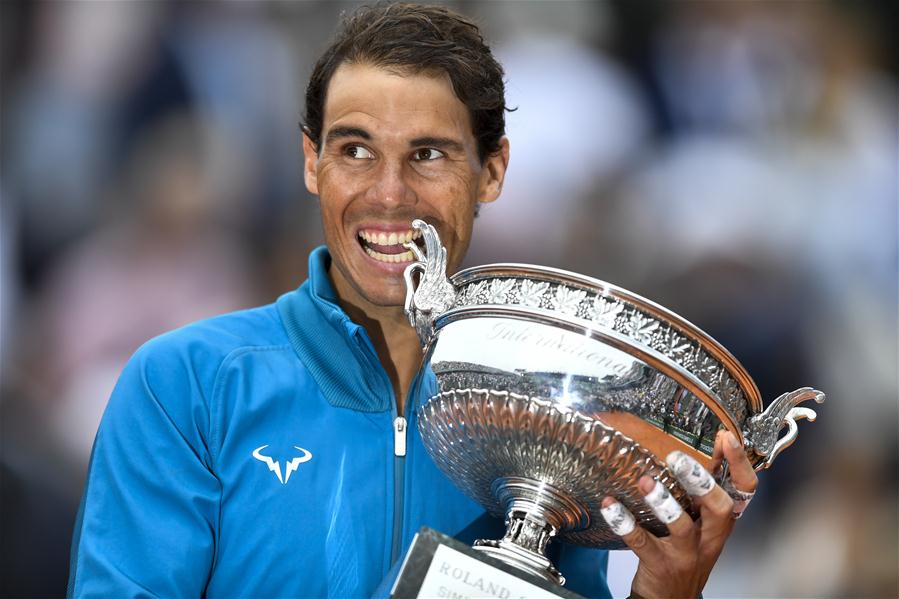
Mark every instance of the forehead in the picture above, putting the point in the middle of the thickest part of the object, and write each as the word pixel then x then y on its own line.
pixel 391 104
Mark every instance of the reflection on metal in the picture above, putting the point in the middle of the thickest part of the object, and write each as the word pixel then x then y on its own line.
pixel 556 390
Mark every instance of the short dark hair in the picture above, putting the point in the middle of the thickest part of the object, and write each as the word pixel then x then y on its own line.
pixel 413 38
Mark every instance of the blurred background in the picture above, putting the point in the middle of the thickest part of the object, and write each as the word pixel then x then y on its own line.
pixel 735 161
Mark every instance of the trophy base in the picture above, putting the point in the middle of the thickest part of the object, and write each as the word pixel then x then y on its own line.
pixel 439 566
pixel 521 559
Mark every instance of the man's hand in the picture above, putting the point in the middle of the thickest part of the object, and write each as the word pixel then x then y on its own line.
pixel 679 565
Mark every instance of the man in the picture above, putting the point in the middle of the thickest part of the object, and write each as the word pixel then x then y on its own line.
pixel 274 452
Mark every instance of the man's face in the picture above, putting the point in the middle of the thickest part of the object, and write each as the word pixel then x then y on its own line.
pixel 394 148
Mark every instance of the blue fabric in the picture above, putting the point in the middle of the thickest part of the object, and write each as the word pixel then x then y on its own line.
pixel 176 504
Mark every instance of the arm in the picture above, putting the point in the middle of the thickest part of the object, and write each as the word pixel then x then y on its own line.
pixel 149 512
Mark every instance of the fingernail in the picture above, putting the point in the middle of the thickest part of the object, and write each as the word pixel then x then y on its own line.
pixel 619 519
pixel 694 478
pixel 646 484
pixel 732 440
pixel 663 504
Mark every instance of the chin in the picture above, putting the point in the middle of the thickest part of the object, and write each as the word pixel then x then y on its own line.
pixel 390 296
pixel 390 300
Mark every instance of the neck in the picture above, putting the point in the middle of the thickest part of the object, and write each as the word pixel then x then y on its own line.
pixel 395 341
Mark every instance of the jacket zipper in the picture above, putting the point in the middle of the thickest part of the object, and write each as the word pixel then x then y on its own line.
pixel 399 437
pixel 399 459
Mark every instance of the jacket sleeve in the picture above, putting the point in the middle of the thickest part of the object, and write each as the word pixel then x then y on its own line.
pixel 585 570
pixel 147 523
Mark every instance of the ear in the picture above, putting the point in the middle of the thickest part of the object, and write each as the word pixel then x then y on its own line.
pixel 310 164
pixel 494 173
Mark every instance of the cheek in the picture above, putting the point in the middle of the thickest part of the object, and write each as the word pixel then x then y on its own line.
pixel 332 179
pixel 453 186
pixel 336 189
pixel 460 197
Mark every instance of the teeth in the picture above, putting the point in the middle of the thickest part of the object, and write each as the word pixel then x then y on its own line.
pixel 393 238
pixel 406 256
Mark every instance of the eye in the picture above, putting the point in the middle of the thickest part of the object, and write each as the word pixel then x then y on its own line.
pixel 358 152
pixel 427 154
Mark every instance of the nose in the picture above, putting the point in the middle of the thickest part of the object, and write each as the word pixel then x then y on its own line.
pixel 391 188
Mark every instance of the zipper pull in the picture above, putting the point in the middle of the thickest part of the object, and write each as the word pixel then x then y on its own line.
pixel 399 436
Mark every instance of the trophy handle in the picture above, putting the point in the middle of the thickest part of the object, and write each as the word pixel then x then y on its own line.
pixel 434 293
pixel 763 430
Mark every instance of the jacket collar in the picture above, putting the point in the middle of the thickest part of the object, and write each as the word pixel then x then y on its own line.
pixel 337 352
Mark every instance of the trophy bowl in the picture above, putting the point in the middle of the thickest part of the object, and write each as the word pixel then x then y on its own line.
pixel 556 390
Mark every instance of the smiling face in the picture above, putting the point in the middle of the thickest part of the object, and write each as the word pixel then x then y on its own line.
pixel 394 148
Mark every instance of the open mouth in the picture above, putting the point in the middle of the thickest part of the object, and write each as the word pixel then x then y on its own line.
pixel 388 247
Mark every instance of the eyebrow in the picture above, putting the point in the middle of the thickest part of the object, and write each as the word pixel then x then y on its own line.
pixel 343 132
pixel 439 143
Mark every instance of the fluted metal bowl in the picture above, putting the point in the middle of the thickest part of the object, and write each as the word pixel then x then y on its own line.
pixel 556 389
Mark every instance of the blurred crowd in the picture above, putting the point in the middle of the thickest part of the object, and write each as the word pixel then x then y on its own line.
pixel 735 161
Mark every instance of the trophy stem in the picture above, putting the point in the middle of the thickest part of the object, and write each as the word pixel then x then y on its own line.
pixel 535 513
pixel 512 548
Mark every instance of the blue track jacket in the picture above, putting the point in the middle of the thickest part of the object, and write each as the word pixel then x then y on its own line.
pixel 254 455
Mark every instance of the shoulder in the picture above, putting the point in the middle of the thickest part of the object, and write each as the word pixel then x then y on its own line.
pixel 212 339
pixel 255 326
pixel 171 378
pixel 191 355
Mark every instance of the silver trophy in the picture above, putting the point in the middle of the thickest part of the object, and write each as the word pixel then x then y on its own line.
pixel 556 390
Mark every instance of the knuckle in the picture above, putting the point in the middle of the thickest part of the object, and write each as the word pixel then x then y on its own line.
pixel 727 503
pixel 722 506
pixel 682 527
pixel 753 482
pixel 637 540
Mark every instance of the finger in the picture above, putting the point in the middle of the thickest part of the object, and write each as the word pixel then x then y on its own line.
pixel 695 479
pixel 665 507
pixel 742 481
pixel 622 523
pixel 619 519
pixel 718 452
pixel 741 470
pixel 715 506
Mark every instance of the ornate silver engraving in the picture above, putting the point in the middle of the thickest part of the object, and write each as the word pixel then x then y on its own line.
pixel 479 436
pixel 532 293
pixel 707 369
pixel 434 293
pixel 546 378
pixel 676 346
pixel 640 328
pixel 567 300
pixel 499 291
pixel 613 314
pixel 474 294
pixel 763 430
